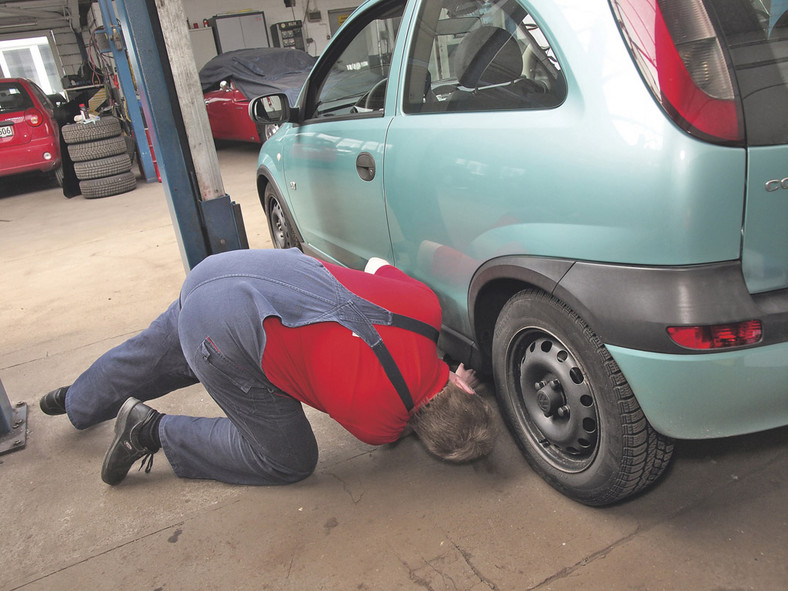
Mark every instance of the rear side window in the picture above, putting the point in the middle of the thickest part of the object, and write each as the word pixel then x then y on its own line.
pixel 755 33
pixel 480 56
pixel 13 97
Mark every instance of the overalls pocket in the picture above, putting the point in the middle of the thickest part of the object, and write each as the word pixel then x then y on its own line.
pixel 232 371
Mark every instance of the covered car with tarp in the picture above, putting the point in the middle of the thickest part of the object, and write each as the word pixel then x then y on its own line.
pixel 231 79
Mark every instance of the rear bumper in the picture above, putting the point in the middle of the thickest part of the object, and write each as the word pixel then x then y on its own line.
pixel 686 394
pixel 30 157
pixel 709 395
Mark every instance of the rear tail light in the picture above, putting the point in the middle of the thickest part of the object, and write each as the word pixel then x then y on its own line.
pixel 675 45
pixel 34 117
pixel 718 336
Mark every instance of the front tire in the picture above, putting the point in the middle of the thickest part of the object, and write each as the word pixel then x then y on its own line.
pixel 281 227
pixel 568 405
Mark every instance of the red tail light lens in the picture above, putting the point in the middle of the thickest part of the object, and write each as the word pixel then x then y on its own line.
pixel 34 117
pixel 719 336
pixel 675 45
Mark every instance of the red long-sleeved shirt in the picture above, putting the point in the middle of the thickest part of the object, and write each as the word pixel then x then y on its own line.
pixel 328 368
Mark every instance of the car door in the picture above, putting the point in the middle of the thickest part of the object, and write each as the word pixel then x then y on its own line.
pixel 470 158
pixel 334 158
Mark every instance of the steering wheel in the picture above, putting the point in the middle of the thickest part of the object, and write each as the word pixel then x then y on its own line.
pixel 373 99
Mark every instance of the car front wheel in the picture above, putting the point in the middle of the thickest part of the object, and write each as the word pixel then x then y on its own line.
pixel 282 230
pixel 568 405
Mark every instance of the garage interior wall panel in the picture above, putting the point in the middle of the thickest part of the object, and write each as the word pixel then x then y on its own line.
pixel 68 50
pixel 275 12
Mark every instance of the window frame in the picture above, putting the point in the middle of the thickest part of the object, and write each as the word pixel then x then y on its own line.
pixel 348 34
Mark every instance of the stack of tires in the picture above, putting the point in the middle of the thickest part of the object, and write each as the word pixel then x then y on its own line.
pixel 101 159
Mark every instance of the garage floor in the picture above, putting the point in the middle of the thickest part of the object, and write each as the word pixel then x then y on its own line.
pixel 80 276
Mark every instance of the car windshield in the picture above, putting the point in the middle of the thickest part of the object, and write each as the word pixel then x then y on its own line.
pixel 13 97
pixel 756 35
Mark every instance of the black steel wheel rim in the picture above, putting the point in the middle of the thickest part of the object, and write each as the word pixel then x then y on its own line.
pixel 278 225
pixel 552 400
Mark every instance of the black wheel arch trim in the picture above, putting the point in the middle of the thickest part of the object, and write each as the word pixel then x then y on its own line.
pixel 628 306
pixel 264 178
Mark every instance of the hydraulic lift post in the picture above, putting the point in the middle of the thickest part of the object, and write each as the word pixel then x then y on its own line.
pixel 13 424
pixel 205 219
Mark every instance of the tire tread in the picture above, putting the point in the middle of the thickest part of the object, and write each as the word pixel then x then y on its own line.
pixel 77 133
pixel 645 454
pixel 107 186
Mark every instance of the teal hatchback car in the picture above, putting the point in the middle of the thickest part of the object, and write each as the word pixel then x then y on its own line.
pixel 597 190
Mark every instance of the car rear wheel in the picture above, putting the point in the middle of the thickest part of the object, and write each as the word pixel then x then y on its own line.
pixel 282 229
pixel 568 405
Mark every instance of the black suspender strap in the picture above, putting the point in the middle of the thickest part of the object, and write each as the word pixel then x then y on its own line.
pixel 414 325
pixel 394 374
pixel 387 361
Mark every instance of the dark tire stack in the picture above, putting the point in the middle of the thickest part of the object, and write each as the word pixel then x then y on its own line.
pixel 101 160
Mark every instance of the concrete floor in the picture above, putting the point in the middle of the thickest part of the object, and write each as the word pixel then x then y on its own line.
pixel 79 276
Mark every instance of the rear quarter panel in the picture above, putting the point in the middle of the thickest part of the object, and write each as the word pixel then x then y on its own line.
pixel 603 177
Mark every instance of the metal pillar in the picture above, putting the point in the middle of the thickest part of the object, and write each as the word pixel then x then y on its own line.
pixel 205 219
pixel 127 86
pixel 13 424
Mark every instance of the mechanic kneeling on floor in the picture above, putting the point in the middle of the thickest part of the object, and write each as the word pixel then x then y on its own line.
pixel 265 331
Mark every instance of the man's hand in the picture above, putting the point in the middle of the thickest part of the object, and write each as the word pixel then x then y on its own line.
pixel 468 376
pixel 465 379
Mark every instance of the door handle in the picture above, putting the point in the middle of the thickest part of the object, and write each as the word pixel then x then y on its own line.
pixel 365 166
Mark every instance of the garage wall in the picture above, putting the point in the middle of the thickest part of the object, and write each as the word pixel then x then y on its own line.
pixel 68 48
pixel 275 11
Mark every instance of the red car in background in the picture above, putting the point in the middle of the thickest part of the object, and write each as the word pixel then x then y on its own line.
pixel 228 114
pixel 29 134
pixel 231 79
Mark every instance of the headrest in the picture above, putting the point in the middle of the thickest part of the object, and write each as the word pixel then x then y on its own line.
pixel 487 55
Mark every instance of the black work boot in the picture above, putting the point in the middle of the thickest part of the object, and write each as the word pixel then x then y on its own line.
pixel 126 448
pixel 54 402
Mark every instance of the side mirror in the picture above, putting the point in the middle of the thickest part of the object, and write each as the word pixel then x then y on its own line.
pixel 270 108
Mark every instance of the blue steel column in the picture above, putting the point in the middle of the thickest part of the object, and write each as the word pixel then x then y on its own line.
pixel 127 85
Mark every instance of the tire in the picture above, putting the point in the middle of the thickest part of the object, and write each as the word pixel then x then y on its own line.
pixel 568 405
pixel 281 227
pixel 98 149
pixel 107 186
pixel 94 169
pixel 77 133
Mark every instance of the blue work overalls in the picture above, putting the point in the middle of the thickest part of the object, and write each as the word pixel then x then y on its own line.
pixel 214 334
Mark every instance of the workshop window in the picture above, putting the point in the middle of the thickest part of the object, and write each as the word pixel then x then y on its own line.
pixel 30 58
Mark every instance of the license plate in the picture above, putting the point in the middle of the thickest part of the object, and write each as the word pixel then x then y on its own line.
pixel 7 131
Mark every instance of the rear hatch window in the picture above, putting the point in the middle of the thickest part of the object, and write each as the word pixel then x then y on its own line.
pixel 13 98
pixel 14 101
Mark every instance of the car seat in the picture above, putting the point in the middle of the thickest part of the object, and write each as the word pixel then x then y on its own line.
pixel 488 64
